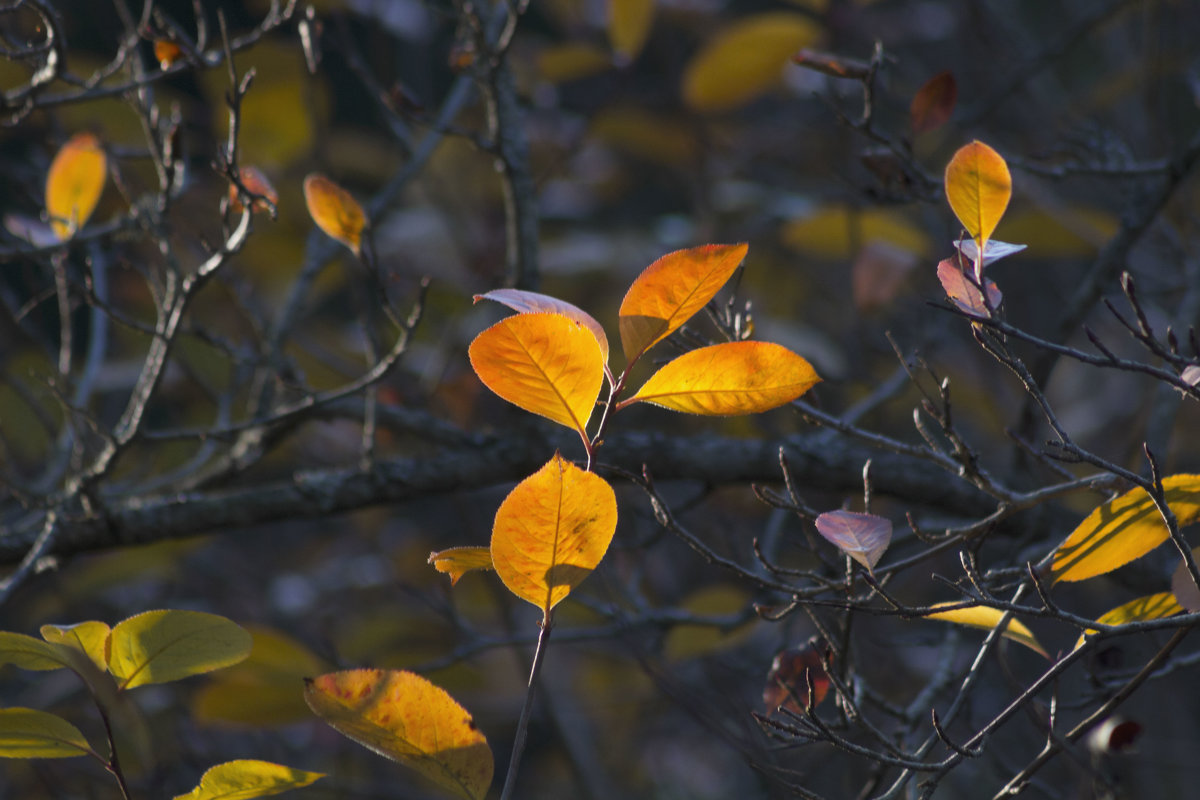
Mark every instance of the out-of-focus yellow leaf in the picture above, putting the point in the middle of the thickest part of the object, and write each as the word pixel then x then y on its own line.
pixel 29 653
pixel 551 532
pixel 404 717
pixel 838 232
pixel 335 211
pixel 1069 232
pixel 1124 528
pixel 571 62
pixel 978 186
pixel 745 59
pixel 244 779
pixel 532 302
pixel 161 646
pixel 29 733
pixel 988 618
pixel 458 561
pixel 75 183
pixel 656 138
pixel 729 378
pixel 89 638
pixel 690 641
pixel 543 362
pixel 671 290
pixel 629 23
pixel 1152 606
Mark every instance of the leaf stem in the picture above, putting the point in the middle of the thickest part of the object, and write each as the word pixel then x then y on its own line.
pixel 539 655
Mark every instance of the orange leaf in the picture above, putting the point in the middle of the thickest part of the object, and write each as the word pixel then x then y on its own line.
pixel 933 103
pixel 545 363
pixel 730 378
pixel 963 292
pixel 167 52
pixel 256 182
pixel 978 186
pixel 551 532
pixel 526 302
pixel 335 211
pixel 75 183
pixel 787 684
pixel 404 717
pixel 458 561
pixel 629 23
pixel 987 618
pixel 671 290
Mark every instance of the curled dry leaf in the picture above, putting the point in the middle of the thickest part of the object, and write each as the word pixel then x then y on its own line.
pixel 863 537
pixel 335 211
pixel 458 561
pixel 75 183
pixel 988 618
pixel 1152 606
pixel 787 685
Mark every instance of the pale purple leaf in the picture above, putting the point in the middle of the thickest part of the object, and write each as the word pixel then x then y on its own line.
pixel 863 537
pixel 1191 375
pixel 1184 588
pixel 527 302
pixel 962 289
pixel 993 251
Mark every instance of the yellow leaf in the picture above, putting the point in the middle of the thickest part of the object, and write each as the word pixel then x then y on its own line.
pixel 746 59
pixel 90 638
pixel 671 290
pixel 571 62
pixel 551 532
pixel 629 23
pixel 988 618
pixel 1152 606
pixel 244 779
pixel 335 211
pixel 458 561
pixel 29 653
pixel 978 186
pixel 162 646
pixel 532 302
pixel 658 138
pixel 543 362
pixel 404 717
pixel 729 378
pixel 838 232
pixel 28 733
pixel 75 183
pixel 1124 528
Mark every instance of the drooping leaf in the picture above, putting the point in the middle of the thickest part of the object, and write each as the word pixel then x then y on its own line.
pixel 1183 588
pixel 404 717
pixel 961 289
pixel 532 302
pixel 745 59
pixel 671 290
pixel 458 561
pixel 787 685
pixel 245 778
pixel 29 653
pixel 551 532
pixel 335 211
pixel 933 103
pixel 1152 606
pixel 1124 528
pixel 162 646
pixel 729 378
pixel 543 362
pixel 988 618
pixel 629 23
pixel 90 638
pixel 993 251
pixel 257 183
pixel 75 183
pixel 29 733
pixel 863 537
pixel 978 186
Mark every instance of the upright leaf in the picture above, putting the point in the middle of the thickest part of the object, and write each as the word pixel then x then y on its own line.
pixel 335 211
pixel 729 378
pixel 988 618
pixel 978 186
pixel 933 103
pixel 543 362
pixel 162 646
pixel 458 561
pixel 551 532
pixel 527 302
pixel 863 537
pixel 28 733
pixel 1152 606
pixel 671 290
pixel 629 24
pixel 89 638
pixel 404 717
pixel 1124 528
pixel 75 183
pixel 244 779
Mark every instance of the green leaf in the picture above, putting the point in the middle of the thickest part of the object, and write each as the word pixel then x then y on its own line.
pixel 243 779
pixel 27 652
pixel 162 646
pixel 29 733
pixel 90 638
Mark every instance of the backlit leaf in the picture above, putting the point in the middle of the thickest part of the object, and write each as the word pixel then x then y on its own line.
pixel 29 653
pixel 978 186
pixel 543 362
pixel 458 561
pixel 1183 588
pixel 961 289
pixel 244 779
pixel 527 302
pixel 1124 528
pixel 75 183
pixel 404 717
pixel 729 378
pixel 933 103
pixel 1152 606
pixel 993 251
pixel 671 290
pixel 551 532
pixel 629 24
pixel 787 684
pixel 89 638
pixel 988 618
pixel 863 537
pixel 28 733
pixel 161 646
pixel 745 59
pixel 335 211
pixel 166 52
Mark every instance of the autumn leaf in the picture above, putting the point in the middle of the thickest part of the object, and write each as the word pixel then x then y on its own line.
pixel 75 183
pixel 671 290
pixel 1152 606
pixel 244 779
pixel 863 537
pixel 993 251
pixel 1183 588
pixel 162 646
pixel 729 378
pixel 933 103
pixel 551 531
pixel 988 618
pixel 978 186
pixel 787 685
pixel 962 291
pixel 256 183
pixel 532 302
pixel 335 211
pixel 629 23
pixel 404 717
pixel 1124 528
pixel 166 52
pixel 458 561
